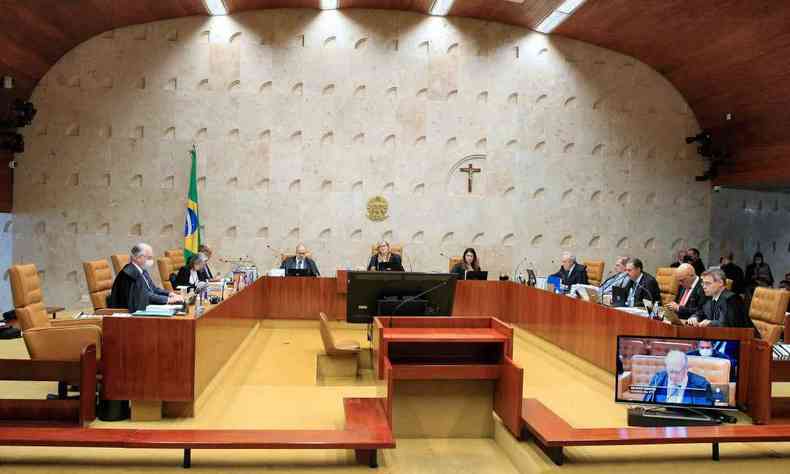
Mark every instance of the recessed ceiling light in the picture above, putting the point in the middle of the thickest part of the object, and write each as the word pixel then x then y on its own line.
pixel 560 14
pixel 216 7
pixel 329 4
pixel 441 7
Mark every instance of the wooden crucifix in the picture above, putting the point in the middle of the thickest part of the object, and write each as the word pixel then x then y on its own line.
pixel 470 170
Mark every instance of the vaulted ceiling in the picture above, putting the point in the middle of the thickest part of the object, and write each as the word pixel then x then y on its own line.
pixel 724 56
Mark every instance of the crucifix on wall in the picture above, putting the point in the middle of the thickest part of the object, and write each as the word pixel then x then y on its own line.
pixel 470 170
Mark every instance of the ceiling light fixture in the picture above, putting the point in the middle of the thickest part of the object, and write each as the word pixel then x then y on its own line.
pixel 441 7
pixel 560 14
pixel 329 4
pixel 216 7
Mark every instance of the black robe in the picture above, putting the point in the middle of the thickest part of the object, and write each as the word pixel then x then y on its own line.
pixel 130 290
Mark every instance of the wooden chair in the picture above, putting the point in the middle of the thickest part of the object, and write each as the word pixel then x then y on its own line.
pixel 166 269
pixel 595 271
pixel 119 261
pixel 455 260
pixel 339 348
pixel 767 312
pixel 99 278
pixel 667 283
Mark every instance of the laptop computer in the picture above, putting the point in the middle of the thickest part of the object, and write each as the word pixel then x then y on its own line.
pixel 476 276
pixel 619 296
pixel 298 272
pixel 389 267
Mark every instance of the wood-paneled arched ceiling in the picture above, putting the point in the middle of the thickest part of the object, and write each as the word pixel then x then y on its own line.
pixel 725 56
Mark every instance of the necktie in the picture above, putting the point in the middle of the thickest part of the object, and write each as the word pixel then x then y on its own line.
pixel 686 294
pixel 674 392
pixel 147 279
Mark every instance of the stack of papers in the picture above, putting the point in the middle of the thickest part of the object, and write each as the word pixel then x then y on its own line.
pixel 781 351
pixel 158 310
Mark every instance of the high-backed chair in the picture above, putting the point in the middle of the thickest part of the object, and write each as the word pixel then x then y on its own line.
pixel 594 271
pixel 728 283
pixel 662 348
pixel 176 257
pixel 99 278
pixel 333 348
pixel 767 312
pixel 453 262
pixel 630 348
pixel 667 283
pixel 46 339
pixel 166 269
pixel 285 256
pixel 119 261
pixel 394 248
pixel 644 367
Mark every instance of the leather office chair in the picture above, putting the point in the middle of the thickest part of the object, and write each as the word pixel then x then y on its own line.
pixel 644 367
pixel 662 348
pixel 767 312
pixel 46 339
pixel 284 256
pixel 728 284
pixel 594 271
pixel 455 260
pixel 394 248
pixel 339 348
pixel 667 283
pixel 99 278
pixel 166 271
pixel 176 257
pixel 119 261
pixel 630 348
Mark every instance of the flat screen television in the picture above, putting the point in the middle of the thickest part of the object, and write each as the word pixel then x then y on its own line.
pixel 372 294
pixel 687 373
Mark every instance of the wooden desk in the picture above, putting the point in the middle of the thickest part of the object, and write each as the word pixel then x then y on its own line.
pixel 430 363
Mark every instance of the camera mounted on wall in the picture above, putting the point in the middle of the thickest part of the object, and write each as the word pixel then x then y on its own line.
pixel 20 114
pixel 707 148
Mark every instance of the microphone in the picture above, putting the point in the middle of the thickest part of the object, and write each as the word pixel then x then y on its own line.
pixel 412 298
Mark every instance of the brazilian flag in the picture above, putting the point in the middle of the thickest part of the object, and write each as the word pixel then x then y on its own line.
pixel 192 222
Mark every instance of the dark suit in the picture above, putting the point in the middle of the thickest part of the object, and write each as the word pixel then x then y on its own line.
pixel 698 390
pixel 577 275
pixel 460 270
pixel 395 261
pixel 134 290
pixel 694 303
pixel 699 267
pixel 734 273
pixel 728 311
pixel 182 277
pixel 308 264
pixel 648 289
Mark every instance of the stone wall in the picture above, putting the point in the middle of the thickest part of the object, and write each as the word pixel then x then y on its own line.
pixel 300 117
pixel 744 222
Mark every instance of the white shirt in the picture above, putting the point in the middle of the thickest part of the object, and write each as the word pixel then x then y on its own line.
pixel 141 273
pixel 677 389
pixel 193 277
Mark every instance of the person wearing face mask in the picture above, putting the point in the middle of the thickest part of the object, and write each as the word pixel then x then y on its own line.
pixel 134 288
pixel 206 274
pixel 706 349
pixel 192 273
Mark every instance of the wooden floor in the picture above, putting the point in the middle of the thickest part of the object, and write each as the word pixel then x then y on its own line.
pixel 272 385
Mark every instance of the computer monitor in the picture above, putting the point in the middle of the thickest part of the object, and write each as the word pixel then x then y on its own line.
pixel 472 275
pixel 677 372
pixel 619 296
pixel 395 292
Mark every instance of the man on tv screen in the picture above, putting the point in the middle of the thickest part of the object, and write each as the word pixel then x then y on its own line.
pixel 677 385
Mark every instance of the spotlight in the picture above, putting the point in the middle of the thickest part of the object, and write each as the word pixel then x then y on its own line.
pixel 13 142
pixel 23 113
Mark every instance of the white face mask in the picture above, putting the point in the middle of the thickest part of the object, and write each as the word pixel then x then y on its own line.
pixel 706 352
pixel 149 263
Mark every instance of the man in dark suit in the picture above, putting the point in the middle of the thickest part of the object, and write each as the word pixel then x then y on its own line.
pixel 641 286
pixel 300 262
pixel 676 384
pixel 690 296
pixel 724 308
pixel 706 349
pixel 134 288
pixel 571 272
pixel 696 261
pixel 733 272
